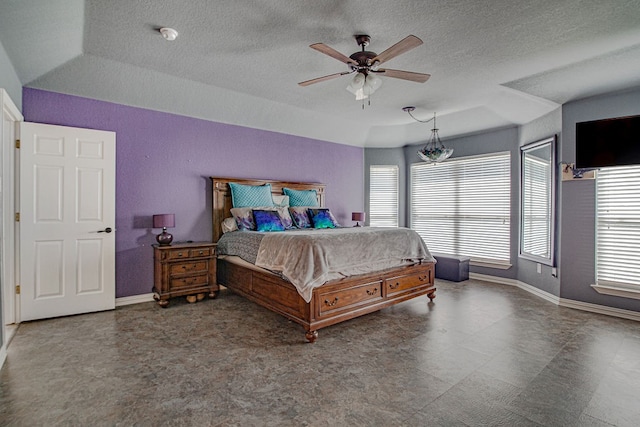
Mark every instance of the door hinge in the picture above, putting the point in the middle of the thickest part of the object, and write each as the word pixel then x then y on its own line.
pixel 18 144
pixel 17 216
pixel 17 289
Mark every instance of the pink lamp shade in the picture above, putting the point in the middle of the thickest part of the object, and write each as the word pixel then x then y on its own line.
pixel 358 217
pixel 163 221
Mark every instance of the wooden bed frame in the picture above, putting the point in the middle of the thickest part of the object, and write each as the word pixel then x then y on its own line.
pixel 333 302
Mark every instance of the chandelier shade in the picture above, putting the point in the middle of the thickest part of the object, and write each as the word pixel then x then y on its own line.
pixel 434 151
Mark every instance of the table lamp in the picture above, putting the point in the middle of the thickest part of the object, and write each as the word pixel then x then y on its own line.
pixel 358 217
pixel 163 221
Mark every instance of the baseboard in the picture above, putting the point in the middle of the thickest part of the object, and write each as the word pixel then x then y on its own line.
pixel 539 292
pixel 135 299
pixel 3 355
pixel 562 302
pixel 493 279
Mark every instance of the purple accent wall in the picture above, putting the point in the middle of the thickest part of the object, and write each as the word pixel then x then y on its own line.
pixel 163 165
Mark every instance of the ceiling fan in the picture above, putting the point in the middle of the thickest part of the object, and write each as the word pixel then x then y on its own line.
pixel 367 65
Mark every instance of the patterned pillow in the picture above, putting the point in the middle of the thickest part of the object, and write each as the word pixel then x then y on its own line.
pixel 302 197
pixel 267 220
pixel 333 218
pixel 300 216
pixel 322 218
pixel 250 195
pixel 244 217
pixel 285 217
pixel 245 220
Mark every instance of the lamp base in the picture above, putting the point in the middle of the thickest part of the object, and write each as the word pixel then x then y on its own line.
pixel 357 224
pixel 164 238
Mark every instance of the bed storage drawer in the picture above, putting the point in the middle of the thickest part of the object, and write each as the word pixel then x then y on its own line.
pixel 332 301
pixel 406 283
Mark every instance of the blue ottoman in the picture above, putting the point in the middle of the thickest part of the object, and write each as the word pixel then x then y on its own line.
pixel 452 267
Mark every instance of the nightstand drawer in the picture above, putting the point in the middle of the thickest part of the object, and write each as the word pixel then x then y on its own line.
pixel 188 267
pixel 187 282
pixel 177 254
pixel 201 252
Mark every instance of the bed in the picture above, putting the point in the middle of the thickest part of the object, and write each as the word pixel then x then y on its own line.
pixel 333 302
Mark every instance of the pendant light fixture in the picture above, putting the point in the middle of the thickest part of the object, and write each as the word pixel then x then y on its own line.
pixel 434 151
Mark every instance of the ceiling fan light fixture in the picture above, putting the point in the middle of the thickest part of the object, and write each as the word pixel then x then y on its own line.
pixel 364 85
pixel 372 83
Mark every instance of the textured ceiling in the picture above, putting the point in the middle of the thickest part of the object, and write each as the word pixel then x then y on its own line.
pixel 493 64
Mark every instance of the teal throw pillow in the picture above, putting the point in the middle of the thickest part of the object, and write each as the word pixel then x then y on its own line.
pixel 246 196
pixel 301 197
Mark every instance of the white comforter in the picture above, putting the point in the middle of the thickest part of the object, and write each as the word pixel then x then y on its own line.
pixel 310 258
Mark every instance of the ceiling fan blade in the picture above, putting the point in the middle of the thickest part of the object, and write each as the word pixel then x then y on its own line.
pixel 322 79
pixel 404 75
pixel 321 47
pixel 401 47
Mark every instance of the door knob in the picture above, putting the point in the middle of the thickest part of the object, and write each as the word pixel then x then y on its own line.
pixel 106 230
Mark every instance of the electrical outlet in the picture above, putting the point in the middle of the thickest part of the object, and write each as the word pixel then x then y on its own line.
pixel 539 268
pixel 554 271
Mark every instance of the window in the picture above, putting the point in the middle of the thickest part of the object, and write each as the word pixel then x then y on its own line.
pixel 462 207
pixel 383 196
pixel 537 201
pixel 618 229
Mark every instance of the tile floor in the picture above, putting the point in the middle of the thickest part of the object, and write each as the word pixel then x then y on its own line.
pixel 480 354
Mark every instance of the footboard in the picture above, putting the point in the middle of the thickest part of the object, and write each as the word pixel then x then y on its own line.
pixel 335 301
pixel 345 299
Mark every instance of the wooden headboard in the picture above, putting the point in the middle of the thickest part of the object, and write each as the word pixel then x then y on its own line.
pixel 222 203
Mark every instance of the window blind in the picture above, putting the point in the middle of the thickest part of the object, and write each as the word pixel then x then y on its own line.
pixel 383 196
pixel 618 226
pixel 462 206
pixel 536 207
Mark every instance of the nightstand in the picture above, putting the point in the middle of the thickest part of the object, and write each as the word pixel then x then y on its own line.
pixel 184 269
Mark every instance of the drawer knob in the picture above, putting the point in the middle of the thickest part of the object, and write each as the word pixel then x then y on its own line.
pixel 201 252
pixel 179 253
pixel 331 303
pixel 392 286
pixel 372 291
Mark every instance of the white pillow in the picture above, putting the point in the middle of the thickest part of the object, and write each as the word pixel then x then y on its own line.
pixel 281 201
pixel 229 224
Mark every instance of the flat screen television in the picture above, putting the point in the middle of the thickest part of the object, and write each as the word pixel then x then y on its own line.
pixel 608 142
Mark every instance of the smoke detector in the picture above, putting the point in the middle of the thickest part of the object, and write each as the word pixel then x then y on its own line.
pixel 169 34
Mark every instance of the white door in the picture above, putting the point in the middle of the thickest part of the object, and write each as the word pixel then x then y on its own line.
pixel 67 221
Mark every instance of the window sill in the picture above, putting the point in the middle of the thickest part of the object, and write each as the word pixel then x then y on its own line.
pixel 617 290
